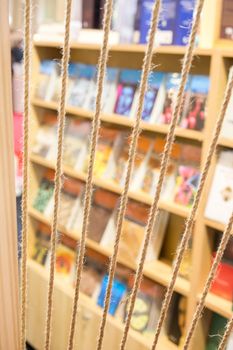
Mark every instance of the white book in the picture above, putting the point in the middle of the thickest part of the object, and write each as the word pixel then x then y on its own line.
pixel 227 128
pixel 159 103
pixel 220 201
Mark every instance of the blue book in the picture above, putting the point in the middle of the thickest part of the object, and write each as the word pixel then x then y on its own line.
pixel 165 33
pixel 184 16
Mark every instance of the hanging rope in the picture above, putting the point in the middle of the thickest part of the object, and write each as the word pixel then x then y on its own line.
pixel 58 173
pixel 226 335
pixel 23 290
pixel 108 9
pixel 131 158
pixel 190 221
pixel 211 276
pixel 164 164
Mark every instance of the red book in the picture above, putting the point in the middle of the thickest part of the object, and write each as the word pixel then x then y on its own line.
pixel 223 282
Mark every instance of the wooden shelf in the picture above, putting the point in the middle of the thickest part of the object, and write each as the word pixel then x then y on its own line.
pixel 135 48
pixel 219 305
pixel 157 270
pixel 111 186
pixel 122 121
pixel 87 307
pixel 216 225
pixel 225 142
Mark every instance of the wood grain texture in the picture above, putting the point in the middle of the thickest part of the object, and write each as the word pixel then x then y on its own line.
pixel 9 303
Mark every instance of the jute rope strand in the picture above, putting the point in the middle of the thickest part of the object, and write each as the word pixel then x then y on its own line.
pixel 130 163
pixel 58 173
pixel 226 335
pixel 211 276
pixel 27 35
pixel 190 221
pixel 163 169
pixel 108 9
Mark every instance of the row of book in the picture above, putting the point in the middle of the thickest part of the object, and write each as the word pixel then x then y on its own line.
pixel 130 21
pixel 121 92
pixel 181 180
pixel 102 225
pixel 94 282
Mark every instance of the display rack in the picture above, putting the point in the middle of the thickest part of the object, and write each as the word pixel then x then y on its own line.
pixel 216 64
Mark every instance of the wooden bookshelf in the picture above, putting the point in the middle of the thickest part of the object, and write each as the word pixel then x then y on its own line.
pixel 216 63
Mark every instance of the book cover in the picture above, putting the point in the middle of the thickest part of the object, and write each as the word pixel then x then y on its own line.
pixel 125 19
pixel 65 260
pixel 107 138
pixel 187 180
pixel 41 244
pixel 118 291
pixel 76 142
pixel 223 282
pixel 45 192
pixel 167 23
pixel 45 140
pixel 194 116
pixel 126 89
pixel 110 90
pixel 44 86
pixel 153 168
pixel 73 74
pixel 226 27
pixel 155 81
pixel 88 14
pixel 176 321
pixel 227 128
pixel 184 17
pixel 220 200
pixel 216 331
pixel 56 86
pixel 91 278
pixel 79 93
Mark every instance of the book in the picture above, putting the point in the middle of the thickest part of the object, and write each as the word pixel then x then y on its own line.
pixel 226 27
pixel 125 13
pixel 171 87
pixel 150 99
pixel 73 75
pixel 194 116
pixel 175 326
pixel 56 87
pixel 45 140
pixel 227 128
pixel 41 244
pixel 184 17
pixel 216 331
pixel 88 14
pixel 153 168
pixel 132 231
pixel 76 142
pixel 45 192
pixel 103 204
pixel 46 78
pixel 80 90
pixel 230 342
pixel 104 149
pixel 147 307
pixel 110 90
pixel 220 200
pixel 222 284
pixel 126 89
pixel 69 202
pixel 188 174
pixel 118 291
pixel 92 275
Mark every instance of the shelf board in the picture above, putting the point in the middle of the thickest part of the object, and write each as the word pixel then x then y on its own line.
pixel 136 48
pixel 122 121
pixel 111 186
pixel 88 303
pixel 219 305
pixel 157 271
pixel 225 142
pixel 216 225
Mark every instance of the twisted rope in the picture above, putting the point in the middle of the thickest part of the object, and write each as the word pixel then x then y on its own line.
pixel 226 335
pixel 23 289
pixel 58 172
pixel 164 164
pixel 131 158
pixel 108 9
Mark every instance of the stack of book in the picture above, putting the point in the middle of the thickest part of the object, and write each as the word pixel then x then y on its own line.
pixel 121 93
